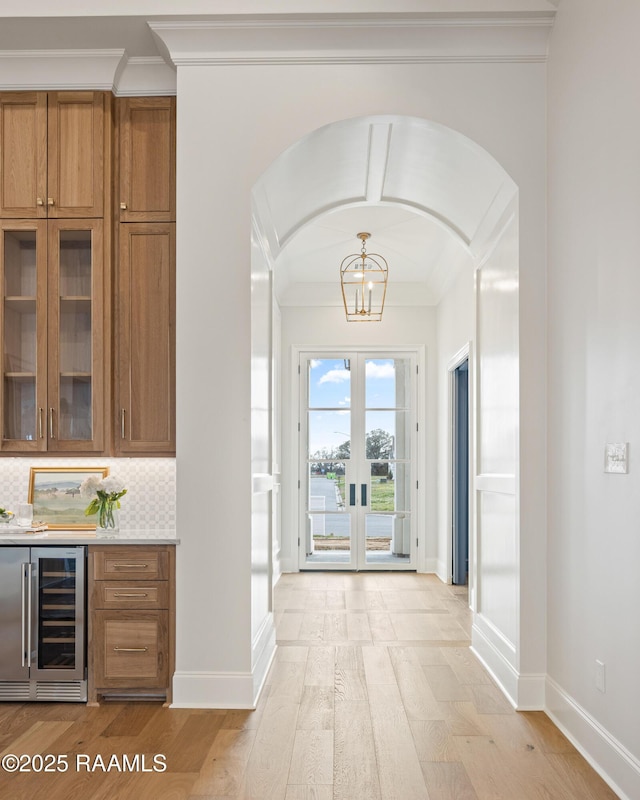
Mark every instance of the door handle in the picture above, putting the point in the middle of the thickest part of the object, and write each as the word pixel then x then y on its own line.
pixel 24 615
pixel 352 494
pixel 363 494
pixel 29 593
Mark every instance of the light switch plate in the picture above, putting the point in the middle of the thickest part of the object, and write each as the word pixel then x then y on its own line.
pixel 616 457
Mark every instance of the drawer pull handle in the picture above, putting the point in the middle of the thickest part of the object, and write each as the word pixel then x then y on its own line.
pixel 130 594
pixel 130 566
pixel 130 649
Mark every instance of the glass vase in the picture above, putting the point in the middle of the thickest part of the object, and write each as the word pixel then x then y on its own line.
pixel 108 519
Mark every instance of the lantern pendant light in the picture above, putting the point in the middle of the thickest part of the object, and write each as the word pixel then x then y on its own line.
pixel 363 277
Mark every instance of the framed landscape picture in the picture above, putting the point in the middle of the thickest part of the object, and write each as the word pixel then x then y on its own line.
pixel 56 498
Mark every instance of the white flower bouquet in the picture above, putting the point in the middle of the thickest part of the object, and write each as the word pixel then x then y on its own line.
pixel 106 494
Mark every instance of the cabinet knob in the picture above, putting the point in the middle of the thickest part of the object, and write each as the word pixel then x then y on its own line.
pixel 39 201
pixel 123 206
pixel 50 201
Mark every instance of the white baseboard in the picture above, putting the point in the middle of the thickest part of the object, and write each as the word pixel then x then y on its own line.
pixel 288 565
pixel 619 768
pixel 263 651
pixel 440 569
pixel 525 692
pixel 228 689
pixel 213 690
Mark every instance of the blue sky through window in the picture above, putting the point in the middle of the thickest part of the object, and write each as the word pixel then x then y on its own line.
pixel 330 394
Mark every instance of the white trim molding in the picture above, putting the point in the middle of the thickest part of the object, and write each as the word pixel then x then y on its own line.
pixel 96 70
pixel 610 759
pixel 525 692
pixel 213 690
pixel 263 651
pixel 344 39
pixel 239 690
pixel 147 76
pixel 60 69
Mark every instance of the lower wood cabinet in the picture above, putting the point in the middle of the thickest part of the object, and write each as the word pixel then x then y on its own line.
pixel 131 636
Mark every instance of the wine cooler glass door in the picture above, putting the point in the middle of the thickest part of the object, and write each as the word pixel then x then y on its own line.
pixel 58 631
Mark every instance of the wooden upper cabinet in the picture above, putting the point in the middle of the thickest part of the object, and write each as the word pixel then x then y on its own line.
pixel 147 177
pixel 52 155
pixel 23 155
pixel 145 361
pixel 52 336
pixel 75 155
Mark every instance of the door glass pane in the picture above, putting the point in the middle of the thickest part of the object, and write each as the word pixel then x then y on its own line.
pixel 390 486
pixel 327 489
pixel 388 435
pixel 329 383
pixel 328 538
pixel 329 435
pixel 19 335
pixel 387 538
pixel 75 354
pixel 388 383
pixel 328 531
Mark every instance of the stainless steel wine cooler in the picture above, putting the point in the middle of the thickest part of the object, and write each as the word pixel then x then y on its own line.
pixel 42 624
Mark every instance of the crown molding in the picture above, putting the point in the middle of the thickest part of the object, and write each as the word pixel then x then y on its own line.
pixel 146 75
pixel 59 69
pixel 407 39
pixel 102 70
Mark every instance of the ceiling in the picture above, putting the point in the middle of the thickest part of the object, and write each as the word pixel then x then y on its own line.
pixel 422 191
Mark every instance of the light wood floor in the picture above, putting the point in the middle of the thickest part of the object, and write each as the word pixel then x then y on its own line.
pixel 373 695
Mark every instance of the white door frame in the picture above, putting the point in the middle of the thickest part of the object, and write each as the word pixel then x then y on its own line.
pixel 417 352
pixel 465 353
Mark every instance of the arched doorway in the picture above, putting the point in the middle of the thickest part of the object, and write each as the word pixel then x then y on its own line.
pixel 447 195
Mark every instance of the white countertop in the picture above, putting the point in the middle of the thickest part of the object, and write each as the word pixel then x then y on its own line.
pixel 13 535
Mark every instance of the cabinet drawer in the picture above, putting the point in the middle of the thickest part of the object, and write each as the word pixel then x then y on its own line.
pixel 131 563
pixel 132 650
pixel 130 594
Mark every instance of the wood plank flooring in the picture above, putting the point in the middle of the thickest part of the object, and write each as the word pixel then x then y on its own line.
pixel 373 695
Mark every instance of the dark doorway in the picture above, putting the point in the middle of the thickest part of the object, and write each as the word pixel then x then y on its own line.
pixel 461 474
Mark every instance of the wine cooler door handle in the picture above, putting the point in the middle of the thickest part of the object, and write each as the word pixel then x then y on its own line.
pixel 29 610
pixel 24 615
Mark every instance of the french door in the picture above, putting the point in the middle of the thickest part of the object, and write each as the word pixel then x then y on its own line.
pixel 358 443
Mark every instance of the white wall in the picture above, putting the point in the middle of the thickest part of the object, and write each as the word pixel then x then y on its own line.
pixel 594 383
pixel 327 326
pixel 220 157
pixel 455 327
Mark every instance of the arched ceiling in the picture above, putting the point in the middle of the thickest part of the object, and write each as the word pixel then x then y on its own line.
pixel 426 193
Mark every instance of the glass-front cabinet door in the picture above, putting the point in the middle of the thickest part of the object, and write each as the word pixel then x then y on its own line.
pixel 23 321
pixel 75 338
pixel 52 336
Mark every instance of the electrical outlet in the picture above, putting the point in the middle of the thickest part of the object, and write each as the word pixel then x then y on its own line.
pixel 600 684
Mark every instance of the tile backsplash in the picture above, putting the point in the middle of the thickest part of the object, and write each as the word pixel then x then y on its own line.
pixel 150 501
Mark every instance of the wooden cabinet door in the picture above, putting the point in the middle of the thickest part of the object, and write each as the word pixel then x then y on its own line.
pixel 147 159
pixel 130 649
pixel 23 155
pixel 23 343
pixel 76 337
pixel 75 155
pixel 145 362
